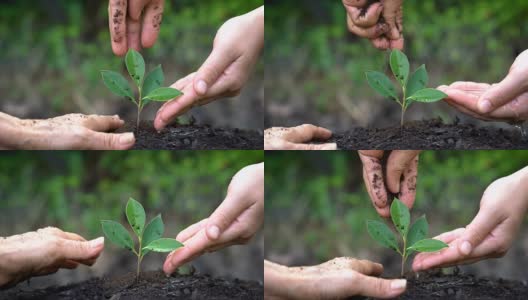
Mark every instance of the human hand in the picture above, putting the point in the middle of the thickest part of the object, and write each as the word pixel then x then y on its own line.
pixel 236 49
pixel 381 22
pixel 505 101
pixel 492 231
pixel 401 170
pixel 338 278
pixel 294 138
pixel 73 131
pixel 234 222
pixel 134 23
pixel 43 252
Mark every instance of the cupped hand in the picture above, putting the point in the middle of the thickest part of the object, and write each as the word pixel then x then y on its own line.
pixel 234 222
pixel 399 178
pixel 338 278
pixel 68 132
pixel 492 231
pixel 381 22
pixel 295 138
pixel 134 24
pixel 236 49
pixel 43 252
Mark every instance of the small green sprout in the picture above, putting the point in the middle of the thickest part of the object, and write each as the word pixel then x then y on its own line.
pixel 413 87
pixel 149 237
pixel 149 87
pixel 413 238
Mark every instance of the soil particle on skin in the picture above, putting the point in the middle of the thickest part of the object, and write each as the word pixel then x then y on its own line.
pixel 151 285
pixel 194 137
pixel 430 135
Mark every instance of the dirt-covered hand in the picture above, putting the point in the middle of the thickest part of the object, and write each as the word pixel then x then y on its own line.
pixel 492 231
pixel 295 138
pixel 338 278
pixel 399 178
pixel 134 24
pixel 236 49
pixel 504 101
pixel 68 132
pixel 234 222
pixel 379 21
pixel 43 252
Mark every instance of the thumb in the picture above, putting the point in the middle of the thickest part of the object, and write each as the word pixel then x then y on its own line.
pixel 224 215
pixel 477 231
pixel 293 146
pixel 502 93
pixel 379 288
pixel 212 69
pixel 81 250
pixel 110 141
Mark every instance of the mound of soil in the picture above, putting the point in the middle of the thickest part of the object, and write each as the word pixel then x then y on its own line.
pixel 430 134
pixel 193 137
pixel 151 285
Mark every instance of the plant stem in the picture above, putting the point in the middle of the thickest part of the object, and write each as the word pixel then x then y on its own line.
pixel 404 256
pixel 139 113
pixel 140 258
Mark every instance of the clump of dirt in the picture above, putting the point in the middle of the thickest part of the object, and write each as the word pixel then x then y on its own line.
pixel 151 285
pixel 430 135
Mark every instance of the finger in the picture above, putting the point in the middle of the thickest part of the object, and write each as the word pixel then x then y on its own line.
pixel 478 230
pixel 135 9
pixel 309 147
pixel 381 43
pixel 373 178
pixel 355 3
pixel 190 231
pixel 496 96
pixel 228 211
pixel 193 246
pixel 365 19
pixel 68 264
pixel 379 288
pixel 469 86
pixel 152 23
pixel 103 123
pixel 77 250
pixel 368 32
pixel 308 132
pixel 117 11
pixel 133 29
pixel 108 141
pixel 65 235
pixel 397 43
pixel 174 108
pixel 184 82
pixel 402 171
pixel 211 70
pixel 425 261
pixel 366 267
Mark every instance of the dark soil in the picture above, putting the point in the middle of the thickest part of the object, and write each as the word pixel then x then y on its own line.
pixel 433 285
pixel 430 134
pixel 193 137
pixel 152 285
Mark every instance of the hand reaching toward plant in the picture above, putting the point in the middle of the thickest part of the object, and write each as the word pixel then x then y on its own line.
pixel 68 132
pixel 492 231
pixel 379 21
pixel 236 49
pixel 503 101
pixel 234 222
pixel 396 175
pixel 294 138
pixel 338 278
pixel 43 252
pixel 134 24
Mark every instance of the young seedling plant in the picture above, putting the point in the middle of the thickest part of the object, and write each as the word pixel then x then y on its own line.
pixel 149 237
pixel 413 238
pixel 414 88
pixel 149 87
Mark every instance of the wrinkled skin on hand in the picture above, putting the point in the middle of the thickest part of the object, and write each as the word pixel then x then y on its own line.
pixel 43 252
pixel 295 138
pixel 338 278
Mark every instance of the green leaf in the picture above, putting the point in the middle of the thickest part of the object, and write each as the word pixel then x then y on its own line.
pixel 117 234
pixel 381 233
pixel 400 216
pixel 116 83
pixel 381 84
pixel 163 245
pixel 428 95
pixel 135 66
pixel 417 81
pixel 136 216
pixel 418 231
pixel 428 245
pixel 163 94
pixel 153 80
pixel 400 66
pixel 153 231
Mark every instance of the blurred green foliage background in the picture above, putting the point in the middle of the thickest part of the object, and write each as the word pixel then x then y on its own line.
pixel 315 67
pixel 318 205
pixel 51 53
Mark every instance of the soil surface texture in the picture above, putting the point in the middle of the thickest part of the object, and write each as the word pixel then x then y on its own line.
pixel 151 285
pixel 193 137
pixel 433 285
pixel 430 134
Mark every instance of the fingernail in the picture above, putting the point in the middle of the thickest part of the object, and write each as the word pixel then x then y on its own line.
pixel 201 87
pixel 398 284
pixel 465 248
pixel 214 232
pixel 97 242
pixel 332 146
pixel 126 138
pixel 484 106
